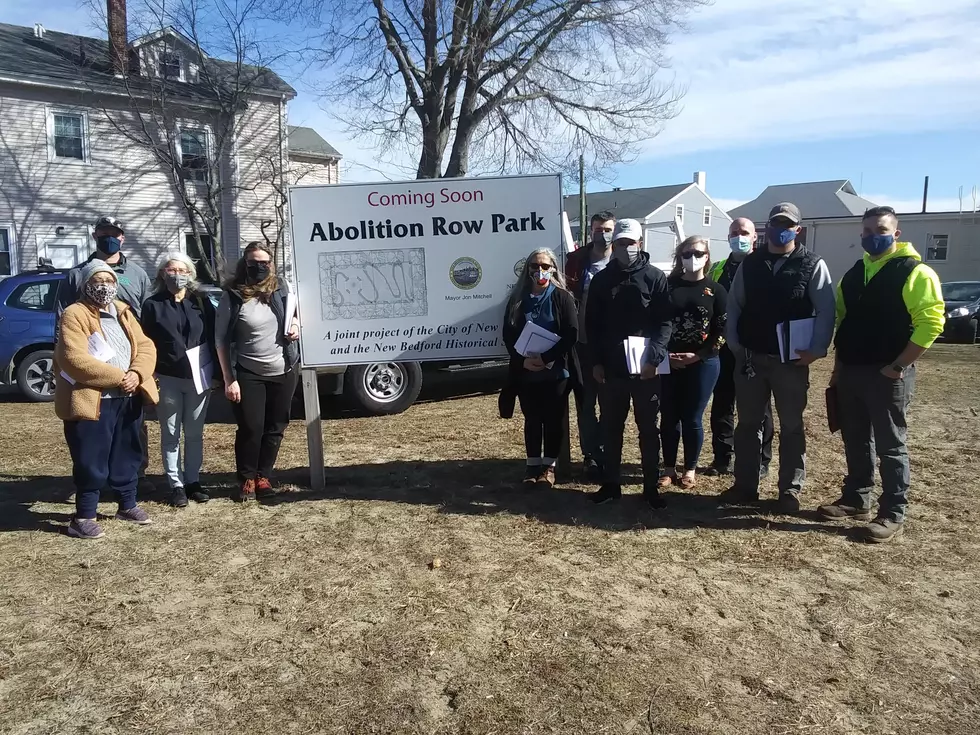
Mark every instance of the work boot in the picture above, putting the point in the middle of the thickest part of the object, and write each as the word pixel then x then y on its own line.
pixel 195 493
pixel 718 468
pixel 738 496
pixel 789 503
pixel 607 493
pixel 179 498
pixel 881 530
pixel 841 510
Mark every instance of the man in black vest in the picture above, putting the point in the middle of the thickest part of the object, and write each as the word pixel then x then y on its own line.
pixel 889 312
pixel 742 238
pixel 783 291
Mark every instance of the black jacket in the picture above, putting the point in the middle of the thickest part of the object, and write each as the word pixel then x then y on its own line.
pixel 177 327
pixel 627 302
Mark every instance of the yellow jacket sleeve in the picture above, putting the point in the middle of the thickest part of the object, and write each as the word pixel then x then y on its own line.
pixel 839 308
pixel 923 298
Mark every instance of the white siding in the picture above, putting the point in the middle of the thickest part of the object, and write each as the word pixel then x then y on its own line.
pixel 312 171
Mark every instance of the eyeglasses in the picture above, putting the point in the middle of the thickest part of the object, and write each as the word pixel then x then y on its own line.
pixel 177 271
pixel 693 254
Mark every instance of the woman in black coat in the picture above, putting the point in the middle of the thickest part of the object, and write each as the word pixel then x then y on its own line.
pixel 542 381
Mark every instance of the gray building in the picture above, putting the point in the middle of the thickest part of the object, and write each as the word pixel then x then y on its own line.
pixel 656 208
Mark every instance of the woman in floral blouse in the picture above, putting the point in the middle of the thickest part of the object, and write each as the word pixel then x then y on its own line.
pixel 700 307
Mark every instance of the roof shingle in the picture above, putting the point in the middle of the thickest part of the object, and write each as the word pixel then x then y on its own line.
pixel 816 199
pixel 632 203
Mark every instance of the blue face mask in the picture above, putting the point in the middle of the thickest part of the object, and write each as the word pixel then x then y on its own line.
pixel 877 244
pixel 108 244
pixel 740 243
pixel 779 236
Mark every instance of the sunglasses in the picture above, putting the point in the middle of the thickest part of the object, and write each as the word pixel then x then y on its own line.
pixel 540 266
pixel 693 254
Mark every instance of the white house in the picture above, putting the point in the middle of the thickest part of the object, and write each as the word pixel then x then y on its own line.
pixel 947 241
pixel 83 133
pixel 656 208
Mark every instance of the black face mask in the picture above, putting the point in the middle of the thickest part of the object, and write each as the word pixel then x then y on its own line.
pixel 256 272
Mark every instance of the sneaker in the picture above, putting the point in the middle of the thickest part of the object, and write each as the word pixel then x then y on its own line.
pixel 738 496
pixel 654 499
pixel 546 478
pixel 134 515
pixel 718 469
pixel 195 493
pixel 789 503
pixel 593 470
pixel 264 488
pixel 85 528
pixel 179 498
pixel 881 530
pixel 246 491
pixel 531 474
pixel 840 510
pixel 606 494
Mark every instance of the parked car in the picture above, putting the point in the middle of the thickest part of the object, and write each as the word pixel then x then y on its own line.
pixel 962 306
pixel 27 303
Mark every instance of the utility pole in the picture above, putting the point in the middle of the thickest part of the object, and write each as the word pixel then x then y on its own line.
pixel 582 229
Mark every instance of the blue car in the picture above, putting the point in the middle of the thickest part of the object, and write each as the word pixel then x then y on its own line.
pixel 27 316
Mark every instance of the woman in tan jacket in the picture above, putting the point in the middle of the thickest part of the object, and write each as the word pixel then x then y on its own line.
pixel 106 373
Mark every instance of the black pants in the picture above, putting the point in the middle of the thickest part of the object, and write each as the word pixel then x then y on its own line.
pixel 262 416
pixel 614 405
pixel 542 404
pixel 723 416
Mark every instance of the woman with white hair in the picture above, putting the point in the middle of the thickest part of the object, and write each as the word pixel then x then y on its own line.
pixel 542 381
pixel 179 318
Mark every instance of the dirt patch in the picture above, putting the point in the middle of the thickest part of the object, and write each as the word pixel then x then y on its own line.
pixel 321 613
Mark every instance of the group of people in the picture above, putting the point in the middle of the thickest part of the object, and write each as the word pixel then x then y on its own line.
pixel 124 342
pixel 724 330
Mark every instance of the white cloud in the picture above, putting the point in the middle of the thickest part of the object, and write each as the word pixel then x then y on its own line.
pixel 822 69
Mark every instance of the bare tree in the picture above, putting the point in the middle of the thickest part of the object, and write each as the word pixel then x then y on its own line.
pixel 499 85
pixel 194 121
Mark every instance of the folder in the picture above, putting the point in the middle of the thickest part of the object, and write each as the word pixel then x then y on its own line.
pixel 535 341
pixel 794 335
pixel 636 356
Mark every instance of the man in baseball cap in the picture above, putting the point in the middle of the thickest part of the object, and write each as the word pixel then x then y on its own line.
pixel 629 298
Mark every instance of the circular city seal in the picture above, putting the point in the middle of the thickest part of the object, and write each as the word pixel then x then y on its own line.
pixel 465 273
pixel 519 267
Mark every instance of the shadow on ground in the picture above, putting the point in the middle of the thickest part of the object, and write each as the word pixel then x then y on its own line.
pixel 449 486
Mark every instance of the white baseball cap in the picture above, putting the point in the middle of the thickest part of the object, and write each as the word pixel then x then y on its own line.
pixel 627 229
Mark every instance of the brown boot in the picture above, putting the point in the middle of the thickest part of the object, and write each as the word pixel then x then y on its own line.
pixel 246 492
pixel 881 530
pixel 546 480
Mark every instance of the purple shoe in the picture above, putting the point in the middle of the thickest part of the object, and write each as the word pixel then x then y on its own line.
pixel 134 515
pixel 85 528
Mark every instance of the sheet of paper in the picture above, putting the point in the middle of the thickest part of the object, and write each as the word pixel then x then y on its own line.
pixel 99 348
pixel 202 368
pixel 636 356
pixel 800 332
pixel 290 312
pixel 535 341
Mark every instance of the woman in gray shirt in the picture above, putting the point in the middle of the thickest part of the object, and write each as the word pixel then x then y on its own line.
pixel 259 363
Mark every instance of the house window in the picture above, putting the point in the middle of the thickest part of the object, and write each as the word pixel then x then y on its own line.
pixel 937 247
pixel 679 212
pixel 67 135
pixel 171 66
pixel 707 217
pixel 8 261
pixel 203 254
pixel 194 154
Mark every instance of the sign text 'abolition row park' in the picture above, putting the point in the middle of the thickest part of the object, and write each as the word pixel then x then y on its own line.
pixel 385 230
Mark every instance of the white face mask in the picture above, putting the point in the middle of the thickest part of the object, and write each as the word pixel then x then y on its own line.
pixel 693 265
pixel 740 243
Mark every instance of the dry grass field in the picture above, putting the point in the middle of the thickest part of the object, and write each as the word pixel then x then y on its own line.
pixel 321 614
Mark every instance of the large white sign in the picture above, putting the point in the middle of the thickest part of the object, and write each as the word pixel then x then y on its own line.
pixel 415 270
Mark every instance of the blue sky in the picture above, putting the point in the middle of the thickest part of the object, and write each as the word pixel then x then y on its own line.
pixel 878 92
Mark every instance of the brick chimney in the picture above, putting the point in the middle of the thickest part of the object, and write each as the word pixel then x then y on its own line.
pixel 118 40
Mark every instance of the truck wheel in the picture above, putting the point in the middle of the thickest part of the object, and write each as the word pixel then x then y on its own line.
pixel 383 388
pixel 35 376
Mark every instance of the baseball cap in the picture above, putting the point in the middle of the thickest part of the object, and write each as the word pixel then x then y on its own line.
pixel 107 221
pixel 627 229
pixel 788 210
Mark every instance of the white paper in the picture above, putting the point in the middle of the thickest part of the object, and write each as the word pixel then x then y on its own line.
pixel 800 337
pixel 99 348
pixel 636 356
pixel 201 372
pixel 290 313
pixel 535 341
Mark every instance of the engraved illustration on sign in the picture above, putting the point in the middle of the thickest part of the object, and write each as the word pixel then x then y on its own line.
pixel 373 284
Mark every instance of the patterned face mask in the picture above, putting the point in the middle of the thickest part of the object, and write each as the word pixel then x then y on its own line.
pixel 102 294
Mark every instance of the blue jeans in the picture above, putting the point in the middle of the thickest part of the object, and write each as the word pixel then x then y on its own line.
pixel 181 408
pixel 106 451
pixel 684 397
